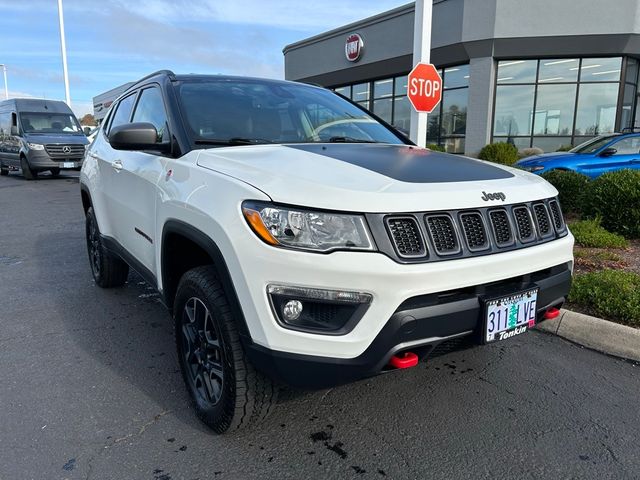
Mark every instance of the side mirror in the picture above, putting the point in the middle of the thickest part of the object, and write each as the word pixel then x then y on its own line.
pixel 136 136
pixel 86 130
pixel 14 130
pixel 607 152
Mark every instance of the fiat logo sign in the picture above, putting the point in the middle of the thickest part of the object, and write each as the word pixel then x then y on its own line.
pixel 353 47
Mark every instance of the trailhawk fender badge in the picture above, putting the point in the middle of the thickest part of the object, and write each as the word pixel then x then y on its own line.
pixel 493 196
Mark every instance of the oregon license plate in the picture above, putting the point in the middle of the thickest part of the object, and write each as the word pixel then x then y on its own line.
pixel 509 316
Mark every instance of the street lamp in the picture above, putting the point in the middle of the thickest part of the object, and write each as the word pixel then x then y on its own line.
pixel 63 47
pixel 6 88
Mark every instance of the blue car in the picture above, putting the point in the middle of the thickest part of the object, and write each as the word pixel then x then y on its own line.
pixel 600 155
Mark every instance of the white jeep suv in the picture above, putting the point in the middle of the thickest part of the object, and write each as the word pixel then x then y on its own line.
pixel 298 239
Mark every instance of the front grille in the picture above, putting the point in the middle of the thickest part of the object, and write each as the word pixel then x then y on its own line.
pixel 406 237
pixel 542 219
pixel 58 151
pixel 443 234
pixel 523 223
pixel 474 232
pixel 421 237
pixel 501 227
pixel 556 213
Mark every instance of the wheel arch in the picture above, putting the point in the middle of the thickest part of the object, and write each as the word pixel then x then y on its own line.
pixel 178 236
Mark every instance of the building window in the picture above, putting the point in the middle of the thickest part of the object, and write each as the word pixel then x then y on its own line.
pixel 549 103
pixel 387 98
pixel 447 124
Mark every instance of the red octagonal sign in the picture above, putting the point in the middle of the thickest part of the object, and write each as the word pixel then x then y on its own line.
pixel 424 87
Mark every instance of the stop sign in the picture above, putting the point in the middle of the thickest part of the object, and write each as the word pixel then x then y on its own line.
pixel 424 87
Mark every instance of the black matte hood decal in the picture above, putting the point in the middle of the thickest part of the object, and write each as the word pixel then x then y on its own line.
pixel 407 163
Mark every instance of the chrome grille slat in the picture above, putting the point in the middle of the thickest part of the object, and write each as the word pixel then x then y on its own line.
pixel 406 237
pixel 57 150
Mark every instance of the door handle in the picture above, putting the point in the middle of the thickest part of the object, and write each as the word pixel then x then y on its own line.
pixel 117 165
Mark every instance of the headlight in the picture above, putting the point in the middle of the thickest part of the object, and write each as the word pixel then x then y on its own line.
pixel 307 229
pixel 35 146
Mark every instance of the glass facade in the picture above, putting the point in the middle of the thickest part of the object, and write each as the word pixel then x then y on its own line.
pixel 549 103
pixel 387 98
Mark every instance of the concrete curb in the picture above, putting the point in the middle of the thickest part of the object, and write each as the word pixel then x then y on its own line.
pixel 595 333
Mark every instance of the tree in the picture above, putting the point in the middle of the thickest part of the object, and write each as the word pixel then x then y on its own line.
pixel 88 120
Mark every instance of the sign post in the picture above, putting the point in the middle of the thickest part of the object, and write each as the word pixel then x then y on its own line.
pixel 421 54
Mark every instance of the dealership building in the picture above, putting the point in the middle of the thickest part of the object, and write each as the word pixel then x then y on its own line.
pixel 543 73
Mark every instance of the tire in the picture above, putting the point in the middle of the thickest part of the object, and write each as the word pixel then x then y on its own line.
pixel 235 395
pixel 55 172
pixel 26 169
pixel 108 270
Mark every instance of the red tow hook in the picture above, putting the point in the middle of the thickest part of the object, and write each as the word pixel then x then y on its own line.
pixel 551 313
pixel 404 360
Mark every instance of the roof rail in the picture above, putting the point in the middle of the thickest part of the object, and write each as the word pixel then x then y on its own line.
pixel 169 73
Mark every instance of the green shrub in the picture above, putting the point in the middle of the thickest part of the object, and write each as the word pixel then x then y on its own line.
pixel 589 233
pixel 435 147
pixel 503 153
pixel 615 197
pixel 612 294
pixel 572 187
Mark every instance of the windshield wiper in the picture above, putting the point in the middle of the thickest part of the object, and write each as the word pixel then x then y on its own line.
pixel 233 141
pixel 350 140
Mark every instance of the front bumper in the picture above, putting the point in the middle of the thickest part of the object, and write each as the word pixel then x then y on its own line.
pixel 419 324
pixel 40 160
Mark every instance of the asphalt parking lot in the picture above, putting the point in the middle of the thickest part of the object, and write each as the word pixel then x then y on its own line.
pixel 90 388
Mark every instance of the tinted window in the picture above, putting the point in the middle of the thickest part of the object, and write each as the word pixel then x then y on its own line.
pixel 150 108
pixel 264 112
pixel 592 145
pixel 627 146
pixel 123 111
pixel 5 123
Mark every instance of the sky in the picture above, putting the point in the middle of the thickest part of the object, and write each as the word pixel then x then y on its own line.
pixel 111 42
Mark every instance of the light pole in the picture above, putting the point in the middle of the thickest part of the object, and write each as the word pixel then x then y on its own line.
pixel 63 47
pixel 421 53
pixel 6 88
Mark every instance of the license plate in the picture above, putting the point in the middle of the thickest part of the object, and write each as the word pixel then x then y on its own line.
pixel 68 165
pixel 509 316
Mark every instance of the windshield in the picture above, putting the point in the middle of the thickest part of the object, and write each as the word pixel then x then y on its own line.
pixel 592 145
pixel 36 122
pixel 240 112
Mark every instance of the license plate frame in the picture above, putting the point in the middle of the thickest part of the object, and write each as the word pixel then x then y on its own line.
pixel 502 309
pixel 68 164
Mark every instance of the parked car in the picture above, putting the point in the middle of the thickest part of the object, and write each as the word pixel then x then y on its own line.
pixel 39 135
pixel 606 153
pixel 297 240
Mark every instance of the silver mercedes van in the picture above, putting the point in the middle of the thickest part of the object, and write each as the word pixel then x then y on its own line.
pixel 39 135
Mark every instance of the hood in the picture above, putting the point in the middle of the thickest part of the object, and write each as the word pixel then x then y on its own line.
pixel 46 138
pixel 545 157
pixel 372 177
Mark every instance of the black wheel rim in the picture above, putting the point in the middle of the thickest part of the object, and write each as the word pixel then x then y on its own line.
pixel 202 351
pixel 93 243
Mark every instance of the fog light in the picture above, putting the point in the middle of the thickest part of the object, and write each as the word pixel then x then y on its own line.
pixel 292 310
pixel 317 310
